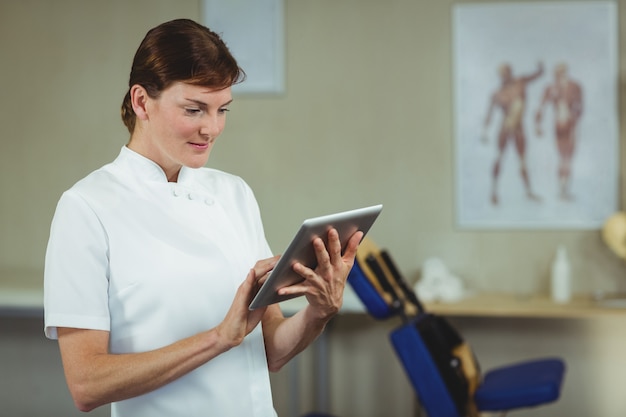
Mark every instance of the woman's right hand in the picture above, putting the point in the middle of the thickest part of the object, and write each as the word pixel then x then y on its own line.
pixel 240 320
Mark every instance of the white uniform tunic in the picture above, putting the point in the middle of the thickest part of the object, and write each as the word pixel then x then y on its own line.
pixel 154 262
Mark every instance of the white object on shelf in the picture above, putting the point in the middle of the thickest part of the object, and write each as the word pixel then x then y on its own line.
pixel 561 281
pixel 438 283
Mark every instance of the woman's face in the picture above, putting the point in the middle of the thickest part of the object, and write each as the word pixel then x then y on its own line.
pixel 181 125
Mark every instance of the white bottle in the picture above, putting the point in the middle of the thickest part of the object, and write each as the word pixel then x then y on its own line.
pixel 561 277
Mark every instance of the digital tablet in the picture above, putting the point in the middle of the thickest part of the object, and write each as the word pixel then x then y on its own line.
pixel 301 249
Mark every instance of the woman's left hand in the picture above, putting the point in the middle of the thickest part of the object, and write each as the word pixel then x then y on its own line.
pixel 323 287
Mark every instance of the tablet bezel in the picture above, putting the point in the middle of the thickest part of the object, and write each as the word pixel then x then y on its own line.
pixel 301 249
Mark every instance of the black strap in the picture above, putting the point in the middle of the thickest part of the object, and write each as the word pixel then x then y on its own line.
pixel 409 294
pixel 372 263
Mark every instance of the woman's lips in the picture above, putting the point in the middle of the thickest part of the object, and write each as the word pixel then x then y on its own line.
pixel 200 146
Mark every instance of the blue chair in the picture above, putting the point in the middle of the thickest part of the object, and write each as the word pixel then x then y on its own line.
pixel 441 383
pixel 520 385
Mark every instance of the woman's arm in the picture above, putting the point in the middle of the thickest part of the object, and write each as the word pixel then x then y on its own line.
pixel 323 288
pixel 96 377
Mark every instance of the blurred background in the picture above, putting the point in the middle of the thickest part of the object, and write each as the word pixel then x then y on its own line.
pixel 366 117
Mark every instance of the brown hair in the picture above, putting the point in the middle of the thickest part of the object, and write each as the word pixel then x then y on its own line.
pixel 180 50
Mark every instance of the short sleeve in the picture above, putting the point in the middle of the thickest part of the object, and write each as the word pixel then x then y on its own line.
pixel 76 269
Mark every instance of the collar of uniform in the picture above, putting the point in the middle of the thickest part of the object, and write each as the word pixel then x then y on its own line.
pixel 147 169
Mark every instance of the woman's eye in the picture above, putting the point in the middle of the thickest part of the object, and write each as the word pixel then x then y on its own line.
pixel 224 110
pixel 192 110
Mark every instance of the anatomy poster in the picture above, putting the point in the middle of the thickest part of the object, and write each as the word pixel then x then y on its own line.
pixel 536 128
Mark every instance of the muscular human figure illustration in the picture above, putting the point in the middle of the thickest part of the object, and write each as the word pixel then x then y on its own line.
pixel 566 98
pixel 511 99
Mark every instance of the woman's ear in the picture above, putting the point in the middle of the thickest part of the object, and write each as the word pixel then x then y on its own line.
pixel 139 99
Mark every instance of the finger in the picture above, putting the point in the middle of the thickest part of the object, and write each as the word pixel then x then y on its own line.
pixel 311 279
pixel 334 244
pixel 264 266
pixel 322 255
pixel 250 285
pixel 353 246
pixel 300 288
pixel 305 272
pixel 263 279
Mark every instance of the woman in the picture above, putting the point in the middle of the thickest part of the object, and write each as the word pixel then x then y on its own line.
pixel 153 259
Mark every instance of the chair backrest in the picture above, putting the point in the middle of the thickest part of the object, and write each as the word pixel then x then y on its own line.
pixel 375 303
pixel 432 391
pixel 377 282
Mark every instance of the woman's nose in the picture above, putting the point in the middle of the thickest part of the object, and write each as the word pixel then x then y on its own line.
pixel 211 127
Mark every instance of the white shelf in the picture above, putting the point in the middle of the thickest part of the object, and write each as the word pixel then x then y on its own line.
pixel 536 306
pixel 21 292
